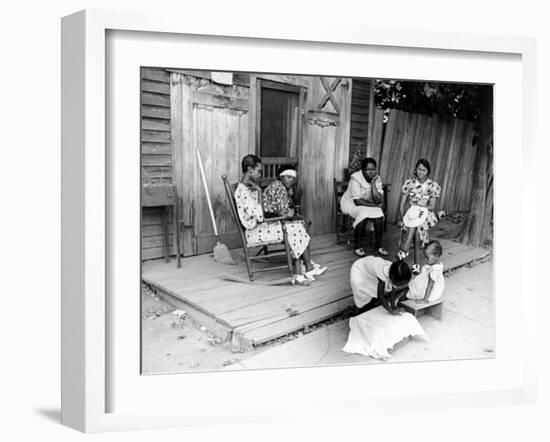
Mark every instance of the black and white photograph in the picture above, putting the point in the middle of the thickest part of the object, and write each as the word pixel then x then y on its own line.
pixel 296 221
pixel 314 220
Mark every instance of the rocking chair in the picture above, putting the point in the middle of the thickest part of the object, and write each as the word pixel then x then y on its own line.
pixel 264 252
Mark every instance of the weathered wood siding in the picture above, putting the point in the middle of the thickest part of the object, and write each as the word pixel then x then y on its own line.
pixel 325 148
pixel 156 150
pixel 444 141
pixel 360 127
pixel 212 118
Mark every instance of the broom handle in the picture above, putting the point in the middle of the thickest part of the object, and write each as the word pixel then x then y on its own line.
pixel 207 194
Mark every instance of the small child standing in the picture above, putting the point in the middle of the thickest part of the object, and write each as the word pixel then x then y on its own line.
pixel 429 284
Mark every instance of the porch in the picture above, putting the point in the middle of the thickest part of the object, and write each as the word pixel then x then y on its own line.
pixel 251 314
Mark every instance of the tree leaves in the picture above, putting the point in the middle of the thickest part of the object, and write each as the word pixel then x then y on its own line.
pixel 453 99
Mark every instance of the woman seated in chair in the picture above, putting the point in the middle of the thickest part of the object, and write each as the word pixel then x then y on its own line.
pixel 281 196
pixel 258 231
pixel 364 200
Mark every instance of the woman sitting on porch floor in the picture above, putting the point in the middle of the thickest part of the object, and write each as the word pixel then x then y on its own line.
pixel 363 201
pixel 249 199
pixel 419 193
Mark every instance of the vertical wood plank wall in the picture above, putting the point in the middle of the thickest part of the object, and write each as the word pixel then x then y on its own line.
pixel 325 151
pixel 360 104
pixel 212 118
pixel 156 149
pixel 445 142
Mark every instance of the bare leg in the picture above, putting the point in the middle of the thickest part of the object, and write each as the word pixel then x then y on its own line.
pixel 410 236
pixel 417 246
pixel 378 231
pixel 297 267
pixel 360 233
pixel 306 256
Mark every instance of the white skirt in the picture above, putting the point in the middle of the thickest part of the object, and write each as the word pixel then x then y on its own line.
pixel 359 213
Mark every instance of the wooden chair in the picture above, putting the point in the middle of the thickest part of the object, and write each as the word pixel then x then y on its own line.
pixel 343 222
pixel 265 252
pixel 344 229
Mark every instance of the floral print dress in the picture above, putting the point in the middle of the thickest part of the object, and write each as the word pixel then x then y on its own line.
pixel 419 194
pixel 259 232
pixel 276 199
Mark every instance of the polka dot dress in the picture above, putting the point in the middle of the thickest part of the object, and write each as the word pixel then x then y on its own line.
pixel 259 232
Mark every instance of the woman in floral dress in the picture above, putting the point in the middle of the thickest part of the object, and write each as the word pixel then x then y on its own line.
pixel 259 231
pixel 419 191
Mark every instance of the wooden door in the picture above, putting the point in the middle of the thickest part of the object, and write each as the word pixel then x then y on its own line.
pixel 214 120
pixel 221 135
pixel 279 125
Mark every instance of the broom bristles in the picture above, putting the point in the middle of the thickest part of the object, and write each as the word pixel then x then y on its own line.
pixel 222 255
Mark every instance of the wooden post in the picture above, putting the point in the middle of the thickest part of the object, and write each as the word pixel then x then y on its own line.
pixel 370 128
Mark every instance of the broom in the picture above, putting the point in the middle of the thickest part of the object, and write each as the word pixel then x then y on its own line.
pixel 221 252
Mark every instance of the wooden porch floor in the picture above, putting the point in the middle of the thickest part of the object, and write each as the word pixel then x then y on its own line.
pixel 251 314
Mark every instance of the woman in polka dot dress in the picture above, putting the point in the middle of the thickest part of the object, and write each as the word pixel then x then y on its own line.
pixel 258 231
pixel 279 199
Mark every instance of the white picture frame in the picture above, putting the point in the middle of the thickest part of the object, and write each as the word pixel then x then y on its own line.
pixel 87 356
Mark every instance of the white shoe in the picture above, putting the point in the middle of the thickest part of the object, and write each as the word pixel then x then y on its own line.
pixel 300 280
pixel 382 251
pixel 360 252
pixel 315 265
pixel 315 272
pixel 401 255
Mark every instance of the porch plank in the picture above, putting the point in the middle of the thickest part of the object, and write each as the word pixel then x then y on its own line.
pixel 248 295
pixel 330 288
pixel 250 314
pixel 274 330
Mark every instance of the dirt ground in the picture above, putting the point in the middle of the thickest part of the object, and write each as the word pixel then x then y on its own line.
pixel 172 342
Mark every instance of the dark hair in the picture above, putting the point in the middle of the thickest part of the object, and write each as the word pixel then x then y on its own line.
pixel 425 163
pixel 367 161
pixel 437 249
pixel 284 167
pixel 400 273
pixel 249 161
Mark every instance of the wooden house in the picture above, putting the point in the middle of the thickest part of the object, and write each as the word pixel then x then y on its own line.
pixel 315 123
pixel 284 119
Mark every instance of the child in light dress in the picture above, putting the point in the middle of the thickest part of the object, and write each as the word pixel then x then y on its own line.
pixel 428 286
